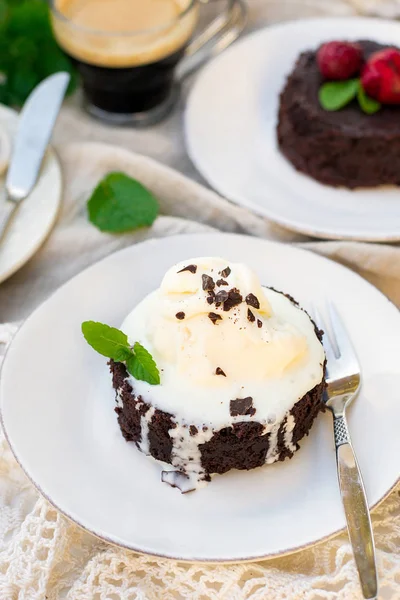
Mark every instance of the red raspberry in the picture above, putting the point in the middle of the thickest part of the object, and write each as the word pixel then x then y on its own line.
pixel 380 77
pixel 339 60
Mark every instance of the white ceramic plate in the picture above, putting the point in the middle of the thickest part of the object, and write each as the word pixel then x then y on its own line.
pixel 36 215
pixel 230 135
pixel 57 408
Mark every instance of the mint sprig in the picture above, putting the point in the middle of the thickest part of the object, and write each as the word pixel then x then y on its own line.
pixel 28 50
pixel 367 104
pixel 335 95
pixel 113 343
pixel 120 203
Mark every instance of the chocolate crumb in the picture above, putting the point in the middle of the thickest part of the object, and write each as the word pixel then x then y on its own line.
pixel 204 428
pixel 225 272
pixel 252 300
pixel 208 283
pixel 250 316
pixel 214 317
pixel 180 315
pixel 177 479
pixel 222 282
pixel 191 268
pixel 221 296
pixel 242 406
pixel 193 430
pixel 259 323
pixel 234 298
pixel 210 299
pixel 219 371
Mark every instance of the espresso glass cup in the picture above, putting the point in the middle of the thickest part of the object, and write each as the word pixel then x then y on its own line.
pixel 131 76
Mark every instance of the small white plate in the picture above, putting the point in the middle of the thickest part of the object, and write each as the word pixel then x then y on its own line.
pixel 230 127
pixel 57 408
pixel 36 215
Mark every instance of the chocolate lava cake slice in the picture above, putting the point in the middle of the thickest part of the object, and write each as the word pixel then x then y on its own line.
pixel 242 373
pixel 344 148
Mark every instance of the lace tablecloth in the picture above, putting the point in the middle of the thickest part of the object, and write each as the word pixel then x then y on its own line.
pixel 42 555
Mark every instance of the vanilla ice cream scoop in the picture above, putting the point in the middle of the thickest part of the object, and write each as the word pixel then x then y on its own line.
pixel 211 323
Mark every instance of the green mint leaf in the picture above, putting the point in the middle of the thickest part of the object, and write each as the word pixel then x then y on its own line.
pixel 334 95
pixel 142 366
pixel 106 340
pixel 28 49
pixel 120 203
pixel 367 104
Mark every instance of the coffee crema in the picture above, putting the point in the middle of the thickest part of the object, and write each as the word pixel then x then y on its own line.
pixel 123 33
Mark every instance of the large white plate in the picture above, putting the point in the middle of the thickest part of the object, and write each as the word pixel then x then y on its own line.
pixel 230 126
pixel 57 408
pixel 36 215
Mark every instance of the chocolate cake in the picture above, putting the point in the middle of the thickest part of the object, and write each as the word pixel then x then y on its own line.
pixel 242 373
pixel 344 148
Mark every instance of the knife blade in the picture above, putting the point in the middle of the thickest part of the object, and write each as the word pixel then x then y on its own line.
pixel 36 123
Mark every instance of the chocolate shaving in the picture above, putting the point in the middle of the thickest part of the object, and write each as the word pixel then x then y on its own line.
pixel 250 316
pixel 219 371
pixel 214 317
pixel 252 300
pixel 193 430
pixel 191 268
pixel 226 272
pixel 259 323
pixel 222 282
pixel 221 296
pixel 180 315
pixel 242 406
pixel 234 298
pixel 208 283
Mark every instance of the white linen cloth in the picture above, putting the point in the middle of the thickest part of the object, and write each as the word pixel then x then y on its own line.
pixel 44 556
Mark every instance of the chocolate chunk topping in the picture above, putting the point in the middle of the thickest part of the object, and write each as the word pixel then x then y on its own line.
pixel 191 268
pixel 259 323
pixel 234 298
pixel 221 296
pixel 219 371
pixel 210 299
pixel 214 317
pixel 180 315
pixel 242 406
pixel 226 272
pixel 222 282
pixel 193 430
pixel 250 316
pixel 252 300
pixel 208 283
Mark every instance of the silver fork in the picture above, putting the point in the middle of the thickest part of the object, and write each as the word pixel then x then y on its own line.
pixel 343 383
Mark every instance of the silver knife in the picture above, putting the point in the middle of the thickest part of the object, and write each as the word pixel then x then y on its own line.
pixel 36 123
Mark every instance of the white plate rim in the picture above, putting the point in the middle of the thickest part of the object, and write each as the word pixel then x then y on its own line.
pixel 75 520
pixel 296 226
pixel 6 110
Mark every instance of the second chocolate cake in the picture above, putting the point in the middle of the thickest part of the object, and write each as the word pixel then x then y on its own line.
pixel 344 148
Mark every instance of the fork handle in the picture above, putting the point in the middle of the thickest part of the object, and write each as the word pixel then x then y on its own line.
pixel 356 509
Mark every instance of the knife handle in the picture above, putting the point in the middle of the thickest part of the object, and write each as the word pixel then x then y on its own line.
pixel 356 509
pixel 7 210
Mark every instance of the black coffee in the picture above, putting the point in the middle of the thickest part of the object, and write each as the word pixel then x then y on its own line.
pixel 129 89
pixel 126 51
